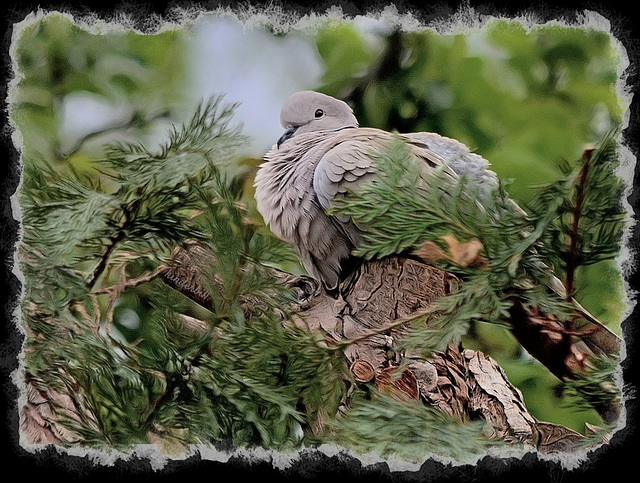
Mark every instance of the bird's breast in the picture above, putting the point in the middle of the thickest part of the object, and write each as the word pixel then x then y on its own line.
pixel 284 193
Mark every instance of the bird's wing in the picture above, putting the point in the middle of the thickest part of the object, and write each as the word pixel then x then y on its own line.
pixel 458 158
pixel 350 161
pixel 344 167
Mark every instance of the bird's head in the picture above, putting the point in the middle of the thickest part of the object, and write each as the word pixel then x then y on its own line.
pixel 309 111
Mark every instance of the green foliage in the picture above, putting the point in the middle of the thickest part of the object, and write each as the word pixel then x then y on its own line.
pixel 274 381
pixel 255 384
pixel 251 378
pixel 594 191
pixel 150 210
pixel 407 430
pixel 407 206
pixel 241 250
pixel 595 387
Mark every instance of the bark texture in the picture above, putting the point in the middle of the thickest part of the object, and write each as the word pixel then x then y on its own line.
pixel 458 382
pixel 40 416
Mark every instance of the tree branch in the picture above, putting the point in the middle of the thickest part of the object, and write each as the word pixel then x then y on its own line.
pixel 364 323
pixel 573 256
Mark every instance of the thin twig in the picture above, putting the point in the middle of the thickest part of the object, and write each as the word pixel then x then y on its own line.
pixel 134 121
pixel 115 240
pixel 385 328
pixel 105 258
pixel 133 282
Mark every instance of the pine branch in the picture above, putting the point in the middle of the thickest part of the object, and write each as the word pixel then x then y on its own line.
pixel 595 386
pixel 572 255
pixel 589 218
pixel 406 429
pixel 104 259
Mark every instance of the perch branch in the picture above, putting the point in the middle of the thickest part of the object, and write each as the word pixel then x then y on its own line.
pixel 392 292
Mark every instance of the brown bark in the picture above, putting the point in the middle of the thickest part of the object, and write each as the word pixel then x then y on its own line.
pixel 459 382
pixel 383 291
pixel 40 416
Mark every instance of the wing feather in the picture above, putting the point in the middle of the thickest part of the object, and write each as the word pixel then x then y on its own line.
pixel 349 162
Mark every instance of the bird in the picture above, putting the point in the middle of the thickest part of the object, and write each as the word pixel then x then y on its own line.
pixel 322 155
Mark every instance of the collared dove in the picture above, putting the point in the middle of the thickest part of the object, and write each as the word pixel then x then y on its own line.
pixel 321 155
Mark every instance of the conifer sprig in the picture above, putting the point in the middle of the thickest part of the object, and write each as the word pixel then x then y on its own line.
pixel 406 207
pixel 407 430
pixel 148 213
pixel 245 383
pixel 595 386
pixel 589 218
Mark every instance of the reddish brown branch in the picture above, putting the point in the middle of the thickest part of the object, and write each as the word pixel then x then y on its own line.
pixel 574 235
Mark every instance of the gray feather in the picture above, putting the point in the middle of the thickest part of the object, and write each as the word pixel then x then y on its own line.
pixel 326 157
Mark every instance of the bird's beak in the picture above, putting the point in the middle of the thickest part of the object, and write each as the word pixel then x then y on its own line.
pixel 287 134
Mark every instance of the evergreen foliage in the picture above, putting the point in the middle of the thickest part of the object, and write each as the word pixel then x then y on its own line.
pixel 250 383
pixel 596 386
pixel 588 216
pixel 576 221
pixel 405 430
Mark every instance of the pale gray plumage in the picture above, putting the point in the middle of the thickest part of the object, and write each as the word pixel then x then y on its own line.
pixel 322 154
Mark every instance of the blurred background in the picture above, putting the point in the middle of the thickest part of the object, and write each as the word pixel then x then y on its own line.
pixel 525 99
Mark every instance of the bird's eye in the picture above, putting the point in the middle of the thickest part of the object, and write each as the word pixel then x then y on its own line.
pixel 319 113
